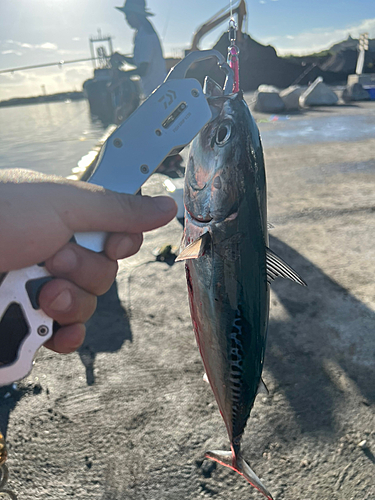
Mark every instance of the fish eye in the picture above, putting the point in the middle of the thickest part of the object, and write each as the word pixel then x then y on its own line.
pixel 224 133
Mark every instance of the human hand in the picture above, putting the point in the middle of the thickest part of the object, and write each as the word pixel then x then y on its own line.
pixel 128 59
pixel 39 215
pixel 117 59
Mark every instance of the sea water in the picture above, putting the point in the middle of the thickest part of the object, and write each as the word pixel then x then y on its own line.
pixel 49 138
pixel 301 129
pixel 52 137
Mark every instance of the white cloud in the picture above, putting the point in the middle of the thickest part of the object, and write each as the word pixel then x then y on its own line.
pixel 73 53
pixel 43 46
pixel 18 44
pixel 15 52
pixel 26 83
pixel 47 46
pixel 319 39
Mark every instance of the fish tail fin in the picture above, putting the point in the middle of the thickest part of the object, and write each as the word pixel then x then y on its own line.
pixel 238 464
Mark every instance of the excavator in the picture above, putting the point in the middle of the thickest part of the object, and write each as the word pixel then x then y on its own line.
pixel 219 18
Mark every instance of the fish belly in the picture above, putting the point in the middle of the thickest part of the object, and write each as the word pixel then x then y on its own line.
pixel 229 310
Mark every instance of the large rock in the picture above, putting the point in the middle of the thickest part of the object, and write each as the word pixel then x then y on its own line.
pixel 290 97
pixel 355 92
pixel 268 100
pixel 268 88
pixel 318 94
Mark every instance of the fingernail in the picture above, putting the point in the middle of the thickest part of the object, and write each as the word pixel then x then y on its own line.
pixel 123 248
pixel 64 261
pixel 165 203
pixel 62 302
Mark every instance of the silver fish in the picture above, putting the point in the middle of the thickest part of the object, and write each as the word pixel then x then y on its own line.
pixel 228 263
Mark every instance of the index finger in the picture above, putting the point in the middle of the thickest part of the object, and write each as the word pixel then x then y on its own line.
pixel 103 210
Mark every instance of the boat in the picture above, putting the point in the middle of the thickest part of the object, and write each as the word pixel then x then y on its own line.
pixel 112 95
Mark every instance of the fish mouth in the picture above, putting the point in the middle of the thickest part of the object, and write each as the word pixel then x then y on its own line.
pixel 199 218
pixel 210 218
pixel 201 221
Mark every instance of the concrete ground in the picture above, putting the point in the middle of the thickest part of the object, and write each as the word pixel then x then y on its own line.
pixel 129 416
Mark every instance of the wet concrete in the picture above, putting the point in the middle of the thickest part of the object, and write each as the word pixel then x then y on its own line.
pixel 351 123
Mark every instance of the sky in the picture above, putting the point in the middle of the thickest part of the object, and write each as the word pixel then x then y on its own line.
pixel 43 31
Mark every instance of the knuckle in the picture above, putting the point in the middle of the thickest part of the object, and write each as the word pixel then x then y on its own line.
pixel 133 206
pixel 128 203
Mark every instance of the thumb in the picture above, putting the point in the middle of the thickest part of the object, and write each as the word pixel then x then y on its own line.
pixel 40 213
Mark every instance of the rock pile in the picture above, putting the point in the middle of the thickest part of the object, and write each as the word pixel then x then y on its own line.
pixel 318 94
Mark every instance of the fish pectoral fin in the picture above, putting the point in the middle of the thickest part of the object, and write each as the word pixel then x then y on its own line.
pixel 238 464
pixel 278 268
pixel 195 249
pixel 262 388
pixel 270 226
pixel 205 379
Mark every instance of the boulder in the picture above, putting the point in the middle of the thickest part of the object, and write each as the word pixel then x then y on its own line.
pixel 290 97
pixel 268 88
pixel 355 92
pixel 268 100
pixel 318 94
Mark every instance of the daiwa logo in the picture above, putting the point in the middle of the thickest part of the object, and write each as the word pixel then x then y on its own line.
pixel 168 98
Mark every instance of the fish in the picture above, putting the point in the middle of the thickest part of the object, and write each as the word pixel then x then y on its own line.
pixel 229 266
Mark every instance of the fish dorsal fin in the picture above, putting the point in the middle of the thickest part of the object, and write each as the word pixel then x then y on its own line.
pixel 277 268
pixel 195 249
pixel 262 388
pixel 270 226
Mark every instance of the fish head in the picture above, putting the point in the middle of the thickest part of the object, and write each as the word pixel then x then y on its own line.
pixel 219 165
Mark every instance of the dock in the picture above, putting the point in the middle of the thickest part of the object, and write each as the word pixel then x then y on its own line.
pixel 130 417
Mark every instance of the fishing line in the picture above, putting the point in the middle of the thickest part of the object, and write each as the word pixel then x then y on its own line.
pixel 167 20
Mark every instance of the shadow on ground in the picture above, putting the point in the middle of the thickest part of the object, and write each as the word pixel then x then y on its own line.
pixel 330 333
pixel 10 395
pixel 107 331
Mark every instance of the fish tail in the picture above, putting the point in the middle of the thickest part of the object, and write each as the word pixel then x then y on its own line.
pixel 238 464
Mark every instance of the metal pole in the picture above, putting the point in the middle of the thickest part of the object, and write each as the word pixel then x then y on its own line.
pixel 362 46
pixel 59 63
